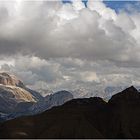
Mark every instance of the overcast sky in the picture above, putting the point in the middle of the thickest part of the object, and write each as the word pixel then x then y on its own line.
pixel 56 45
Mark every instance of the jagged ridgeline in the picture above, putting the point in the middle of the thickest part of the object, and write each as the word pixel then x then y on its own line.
pixel 18 100
pixel 82 118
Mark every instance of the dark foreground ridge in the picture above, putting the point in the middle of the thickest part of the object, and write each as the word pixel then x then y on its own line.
pixel 82 118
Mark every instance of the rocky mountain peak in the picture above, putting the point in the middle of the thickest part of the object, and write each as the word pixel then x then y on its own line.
pixel 129 94
pixel 11 80
pixel 131 89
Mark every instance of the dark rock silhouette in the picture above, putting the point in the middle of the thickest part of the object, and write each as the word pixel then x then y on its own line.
pixel 126 114
pixel 82 118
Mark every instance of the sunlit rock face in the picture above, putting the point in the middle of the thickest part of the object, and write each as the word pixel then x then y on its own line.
pixel 18 100
pixel 14 98
pixel 12 91
pixel 7 79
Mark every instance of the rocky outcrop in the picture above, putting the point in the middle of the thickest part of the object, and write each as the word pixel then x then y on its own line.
pixel 11 96
pixel 14 99
pixel 7 79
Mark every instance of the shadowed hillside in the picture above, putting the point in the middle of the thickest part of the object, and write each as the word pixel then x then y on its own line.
pixel 82 118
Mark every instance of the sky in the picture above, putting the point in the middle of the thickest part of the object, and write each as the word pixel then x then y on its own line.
pixel 56 45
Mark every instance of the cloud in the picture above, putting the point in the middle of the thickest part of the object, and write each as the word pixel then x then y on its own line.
pixel 42 28
pixel 70 73
pixel 70 45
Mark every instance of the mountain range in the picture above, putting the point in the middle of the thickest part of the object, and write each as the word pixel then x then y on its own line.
pixel 82 118
pixel 25 113
pixel 18 100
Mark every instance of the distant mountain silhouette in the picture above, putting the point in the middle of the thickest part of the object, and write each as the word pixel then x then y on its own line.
pixel 82 118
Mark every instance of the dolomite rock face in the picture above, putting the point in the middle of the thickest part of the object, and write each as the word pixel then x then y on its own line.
pixel 14 98
pixel 18 100
pixel 7 79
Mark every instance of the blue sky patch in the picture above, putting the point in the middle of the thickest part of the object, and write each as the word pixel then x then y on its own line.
pixel 125 5
pixel 117 5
